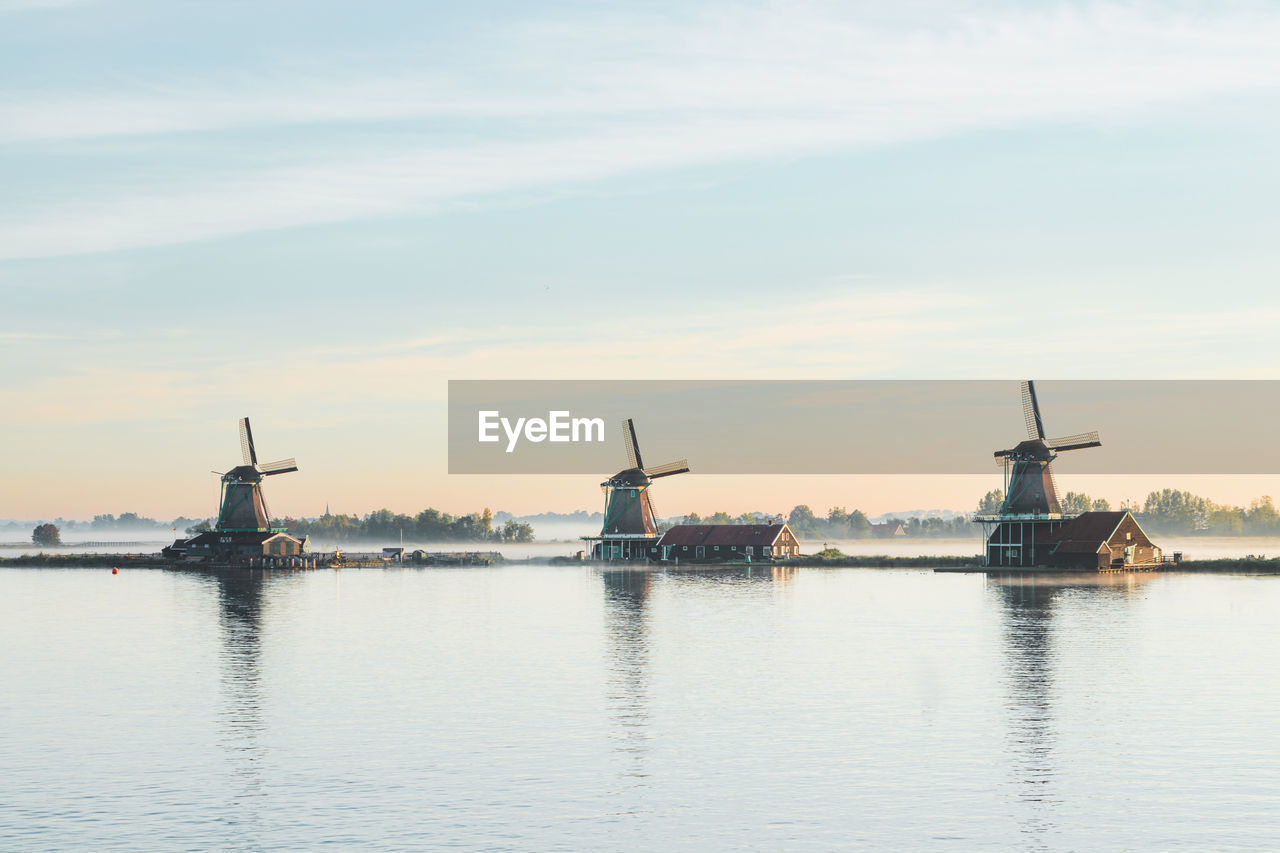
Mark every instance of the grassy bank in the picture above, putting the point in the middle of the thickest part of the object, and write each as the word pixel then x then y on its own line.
pixel 835 558
pixel 74 561
pixel 830 558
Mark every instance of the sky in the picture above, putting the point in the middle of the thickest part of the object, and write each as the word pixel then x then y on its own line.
pixel 316 214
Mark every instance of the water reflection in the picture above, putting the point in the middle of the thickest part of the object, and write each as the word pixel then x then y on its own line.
pixel 1030 605
pixel 240 718
pixel 242 596
pixel 625 594
pixel 1028 631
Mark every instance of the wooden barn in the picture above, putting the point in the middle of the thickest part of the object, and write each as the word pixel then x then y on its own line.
pixel 1103 541
pixel 711 543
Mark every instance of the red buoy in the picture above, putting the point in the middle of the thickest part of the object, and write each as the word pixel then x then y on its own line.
pixel 115 570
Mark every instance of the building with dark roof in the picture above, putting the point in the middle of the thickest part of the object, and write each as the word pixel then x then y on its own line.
pixel 1104 540
pixel 726 543
pixel 222 546
pixel 1090 541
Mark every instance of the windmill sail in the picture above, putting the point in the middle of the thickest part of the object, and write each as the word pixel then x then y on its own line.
pixel 1075 442
pixel 284 466
pixel 246 443
pixel 680 467
pixel 632 444
pixel 1031 411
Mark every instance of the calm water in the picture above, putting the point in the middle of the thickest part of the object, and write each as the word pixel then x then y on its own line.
pixel 541 708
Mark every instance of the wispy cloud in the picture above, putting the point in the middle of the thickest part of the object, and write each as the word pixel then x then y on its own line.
pixel 781 60
pixel 37 5
pixel 30 336
pixel 549 103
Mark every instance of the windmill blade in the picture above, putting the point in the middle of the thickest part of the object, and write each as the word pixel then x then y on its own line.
pixel 284 466
pixel 1078 438
pixel 246 443
pixel 667 470
pixel 1031 410
pixel 632 444
pixel 1078 446
pixel 1075 442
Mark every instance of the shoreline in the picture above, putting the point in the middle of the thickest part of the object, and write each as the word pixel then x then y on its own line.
pixel 953 564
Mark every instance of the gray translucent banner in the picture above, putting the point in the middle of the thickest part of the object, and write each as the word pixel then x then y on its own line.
pixel 859 426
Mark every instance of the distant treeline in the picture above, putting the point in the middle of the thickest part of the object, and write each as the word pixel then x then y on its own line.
pixel 124 521
pixel 1169 512
pixel 1174 512
pixel 385 526
pixel 840 523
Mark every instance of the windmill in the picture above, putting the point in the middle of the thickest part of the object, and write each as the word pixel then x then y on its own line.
pixel 242 507
pixel 628 505
pixel 1029 466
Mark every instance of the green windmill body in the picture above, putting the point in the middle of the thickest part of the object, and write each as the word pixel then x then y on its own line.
pixel 630 525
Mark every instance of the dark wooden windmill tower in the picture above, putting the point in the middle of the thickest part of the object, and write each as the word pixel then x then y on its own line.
pixel 1022 532
pixel 242 508
pixel 630 528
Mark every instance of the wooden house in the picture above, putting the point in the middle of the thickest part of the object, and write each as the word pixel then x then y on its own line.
pixel 1104 540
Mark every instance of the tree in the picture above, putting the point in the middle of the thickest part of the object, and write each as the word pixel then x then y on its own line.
pixel 200 527
pixel 1074 503
pixel 46 534
pixel 514 531
pixel 859 525
pixel 991 502
pixel 1101 505
pixel 800 515
pixel 1262 517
